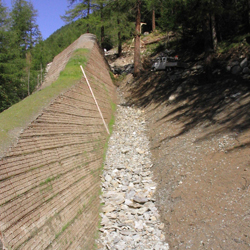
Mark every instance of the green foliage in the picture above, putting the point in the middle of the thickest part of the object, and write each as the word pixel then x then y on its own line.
pixel 18 35
pixel 72 70
pixel 112 120
pixel 113 22
pixel 23 23
pixel 120 20
pixel 235 42
pixel 169 14
pixel 20 114
pixel 11 84
pixel 50 179
pixel 78 9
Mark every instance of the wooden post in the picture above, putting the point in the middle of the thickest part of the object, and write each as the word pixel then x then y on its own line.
pixel 41 74
pixel 29 82
pixel 104 123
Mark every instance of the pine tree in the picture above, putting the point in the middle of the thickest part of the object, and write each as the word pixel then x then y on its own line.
pixel 18 35
pixel 24 24
pixel 11 72
pixel 152 6
pixel 137 58
pixel 79 9
pixel 4 90
pixel 11 64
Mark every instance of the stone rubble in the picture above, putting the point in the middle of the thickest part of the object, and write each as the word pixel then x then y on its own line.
pixel 130 219
pixel 237 67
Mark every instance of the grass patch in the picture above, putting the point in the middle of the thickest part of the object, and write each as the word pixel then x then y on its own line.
pixel 105 148
pixel 116 80
pixel 112 120
pixel 48 180
pixel 232 43
pixel 18 116
pixel 110 128
pixel 79 212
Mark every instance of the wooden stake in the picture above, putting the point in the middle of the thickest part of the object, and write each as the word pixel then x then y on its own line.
pixel 105 125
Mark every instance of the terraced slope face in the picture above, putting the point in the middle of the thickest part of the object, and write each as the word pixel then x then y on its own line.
pixel 49 179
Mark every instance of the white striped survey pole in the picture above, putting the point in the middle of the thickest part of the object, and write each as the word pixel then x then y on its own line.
pixel 105 125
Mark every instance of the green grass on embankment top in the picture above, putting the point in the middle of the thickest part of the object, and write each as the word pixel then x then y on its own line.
pixel 18 116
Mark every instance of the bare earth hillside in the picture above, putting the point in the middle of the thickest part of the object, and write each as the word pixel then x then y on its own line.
pixel 199 132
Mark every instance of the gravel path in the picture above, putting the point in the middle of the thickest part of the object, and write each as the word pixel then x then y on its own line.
pixel 130 219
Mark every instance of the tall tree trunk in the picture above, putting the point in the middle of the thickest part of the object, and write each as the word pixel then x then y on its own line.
pixel 88 15
pixel 41 74
pixel 207 45
pixel 207 33
pixel 214 34
pixel 153 19
pixel 119 39
pixel 137 52
pixel 246 16
pixel 29 82
pixel 102 28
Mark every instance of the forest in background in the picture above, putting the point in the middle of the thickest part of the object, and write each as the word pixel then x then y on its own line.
pixel 201 25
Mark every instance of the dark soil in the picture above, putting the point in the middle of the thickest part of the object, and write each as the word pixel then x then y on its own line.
pixel 200 143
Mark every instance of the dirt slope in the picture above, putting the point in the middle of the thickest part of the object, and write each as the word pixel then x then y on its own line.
pixel 203 182
pixel 200 138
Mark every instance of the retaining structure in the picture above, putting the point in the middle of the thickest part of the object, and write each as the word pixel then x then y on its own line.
pixel 52 155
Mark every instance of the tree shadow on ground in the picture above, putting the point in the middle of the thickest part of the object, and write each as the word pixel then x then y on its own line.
pixel 219 102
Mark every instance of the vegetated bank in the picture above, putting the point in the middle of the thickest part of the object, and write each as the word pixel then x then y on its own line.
pixel 52 146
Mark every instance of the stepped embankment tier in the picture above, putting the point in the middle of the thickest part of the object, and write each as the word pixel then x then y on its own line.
pixel 51 154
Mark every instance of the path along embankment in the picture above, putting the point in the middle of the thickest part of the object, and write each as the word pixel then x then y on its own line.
pixel 51 154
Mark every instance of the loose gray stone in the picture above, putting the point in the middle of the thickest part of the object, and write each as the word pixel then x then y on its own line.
pixel 135 205
pixel 128 202
pixel 236 69
pixel 117 200
pixel 130 194
pixel 105 220
pixel 246 77
pixel 235 63
pixel 108 178
pixel 108 209
pixel 140 199
pixel 142 210
pixel 125 150
pixel 196 67
pixel 243 64
pixel 129 219
pixel 246 70
pixel 111 215
pixel 139 225
pixel 140 151
pixel 116 240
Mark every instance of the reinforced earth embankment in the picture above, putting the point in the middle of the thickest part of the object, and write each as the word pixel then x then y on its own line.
pixel 52 147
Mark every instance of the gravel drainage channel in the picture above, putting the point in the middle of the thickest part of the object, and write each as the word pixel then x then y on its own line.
pixel 130 219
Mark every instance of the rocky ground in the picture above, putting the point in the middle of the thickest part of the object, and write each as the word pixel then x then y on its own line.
pixel 130 219
pixel 198 128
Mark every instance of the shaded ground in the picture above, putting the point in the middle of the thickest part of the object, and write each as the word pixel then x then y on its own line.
pixel 200 142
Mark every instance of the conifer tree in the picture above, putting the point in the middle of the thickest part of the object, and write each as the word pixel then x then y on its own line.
pixel 120 22
pixel 152 6
pixel 23 17
pixel 79 9
pixel 11 64
pixel 137 58
pixel 18 35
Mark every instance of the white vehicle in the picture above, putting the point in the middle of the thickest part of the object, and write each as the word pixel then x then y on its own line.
pixel 165 63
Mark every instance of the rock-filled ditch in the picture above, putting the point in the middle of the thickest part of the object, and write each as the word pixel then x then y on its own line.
pixel 129 218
